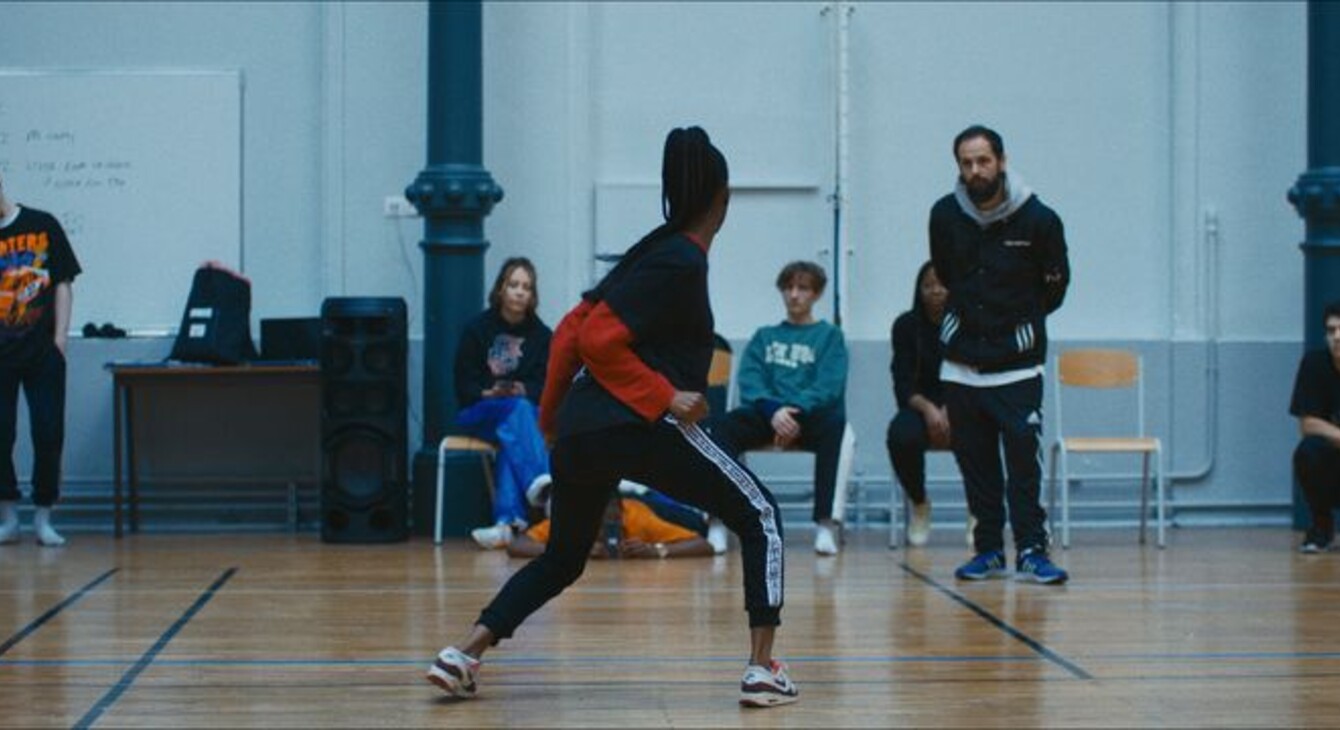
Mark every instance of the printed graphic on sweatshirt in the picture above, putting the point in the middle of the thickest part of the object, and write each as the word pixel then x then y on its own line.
pixel 505 354
pixel 789 354
pixel 23 259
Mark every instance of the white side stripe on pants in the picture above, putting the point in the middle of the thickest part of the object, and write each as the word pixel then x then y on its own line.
pixel 747 486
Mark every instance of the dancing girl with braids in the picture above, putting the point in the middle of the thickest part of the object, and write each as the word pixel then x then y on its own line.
pixel 623 398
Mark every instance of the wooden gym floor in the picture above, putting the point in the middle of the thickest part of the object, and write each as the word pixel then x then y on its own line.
pixel 1223 628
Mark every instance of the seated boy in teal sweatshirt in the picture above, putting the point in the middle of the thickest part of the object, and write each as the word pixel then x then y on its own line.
pixel 792 382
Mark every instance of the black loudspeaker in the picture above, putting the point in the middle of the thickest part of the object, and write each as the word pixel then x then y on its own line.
pixel 364 439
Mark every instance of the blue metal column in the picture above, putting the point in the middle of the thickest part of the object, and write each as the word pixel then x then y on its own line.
pixel 1316 195
pixel 453 194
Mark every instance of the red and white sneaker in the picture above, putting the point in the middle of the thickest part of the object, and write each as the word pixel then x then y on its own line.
pixel 767 686
pixel 454 672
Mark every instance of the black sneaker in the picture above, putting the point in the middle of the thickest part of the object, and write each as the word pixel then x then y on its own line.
pixel 1317 541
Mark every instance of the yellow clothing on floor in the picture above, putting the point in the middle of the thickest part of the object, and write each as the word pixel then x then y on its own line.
pixel 639 522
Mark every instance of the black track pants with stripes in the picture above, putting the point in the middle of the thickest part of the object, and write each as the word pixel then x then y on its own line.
pixel 679 460
pixel 987 422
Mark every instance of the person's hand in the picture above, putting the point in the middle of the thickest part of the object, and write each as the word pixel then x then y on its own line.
pixel 785 427
pixel 688 407
pixel 61 342
pixel 505 389
pixel 937 427
pixel 635 548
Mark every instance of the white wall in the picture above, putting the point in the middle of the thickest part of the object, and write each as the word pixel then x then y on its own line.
pixel 1136 121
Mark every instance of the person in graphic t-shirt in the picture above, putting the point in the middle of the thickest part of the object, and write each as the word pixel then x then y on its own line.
pixel 37 267
pixel 500 365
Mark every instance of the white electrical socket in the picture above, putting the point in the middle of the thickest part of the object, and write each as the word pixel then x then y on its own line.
pixel 397 206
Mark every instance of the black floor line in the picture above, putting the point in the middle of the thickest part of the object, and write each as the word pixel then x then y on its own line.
pixel 36 623
pixel 1031 643
pixel 128 678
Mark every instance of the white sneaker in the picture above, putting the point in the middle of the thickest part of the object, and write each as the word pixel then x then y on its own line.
pixel 919 526
pixel 493 538
pixel 972 527
pixel 9 522
pixel 454 671
pixel 48 537
pixel 767 686
pixel 537 494
pixel 716 536
pixel 46 534
pixel 824 541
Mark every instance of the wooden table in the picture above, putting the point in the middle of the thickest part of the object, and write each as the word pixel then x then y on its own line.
pixel 256 423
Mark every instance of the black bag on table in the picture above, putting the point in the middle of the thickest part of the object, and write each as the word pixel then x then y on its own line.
pixel 216 326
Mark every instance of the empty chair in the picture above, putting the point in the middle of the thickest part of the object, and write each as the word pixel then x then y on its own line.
pixel 1114 370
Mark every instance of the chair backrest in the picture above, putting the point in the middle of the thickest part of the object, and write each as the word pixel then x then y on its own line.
pixel 1096 368
pixel 718 376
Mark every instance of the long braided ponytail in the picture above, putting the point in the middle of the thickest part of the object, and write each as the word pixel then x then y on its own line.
pixel 693 171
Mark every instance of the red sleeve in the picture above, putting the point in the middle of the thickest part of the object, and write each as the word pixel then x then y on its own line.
pixel 563 365
pixel 605 344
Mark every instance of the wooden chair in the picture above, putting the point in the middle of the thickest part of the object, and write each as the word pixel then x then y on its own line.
pixel 486 452
pixel 718 376
pixel 1108 370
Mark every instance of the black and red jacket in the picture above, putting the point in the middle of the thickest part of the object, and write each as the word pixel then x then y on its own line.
pixel 643 332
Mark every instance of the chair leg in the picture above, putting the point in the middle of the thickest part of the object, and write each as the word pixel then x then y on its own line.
pixel 846 459
pixel 895 516
pixel 1162 481
pixel 486 464
pixel 1051 490
pixel 1144 495
pixel 1065 501
pixel 441 479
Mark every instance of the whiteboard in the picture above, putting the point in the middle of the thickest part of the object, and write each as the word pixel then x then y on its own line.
pixel 144 171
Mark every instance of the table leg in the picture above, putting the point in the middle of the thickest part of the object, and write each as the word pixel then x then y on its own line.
pixel 133 483
pixel 118 419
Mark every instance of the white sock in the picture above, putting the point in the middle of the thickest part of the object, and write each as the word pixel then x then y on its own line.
pixel 9 522
pixel 46 534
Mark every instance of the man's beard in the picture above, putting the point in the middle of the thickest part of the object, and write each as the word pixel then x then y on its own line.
pixel 982 191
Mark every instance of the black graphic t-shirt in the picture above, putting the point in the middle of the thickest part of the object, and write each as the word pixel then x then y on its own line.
pixel 35 256
pixel 492 350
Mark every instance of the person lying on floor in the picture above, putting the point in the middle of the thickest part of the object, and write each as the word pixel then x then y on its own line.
pixel 631 530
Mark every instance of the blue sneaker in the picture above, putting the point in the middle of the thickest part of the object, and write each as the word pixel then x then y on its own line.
pixel 982 566
pixel 1034 565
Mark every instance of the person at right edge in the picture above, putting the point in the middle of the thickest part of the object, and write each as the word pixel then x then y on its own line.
pixel 1002 254
pixel 1316 461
